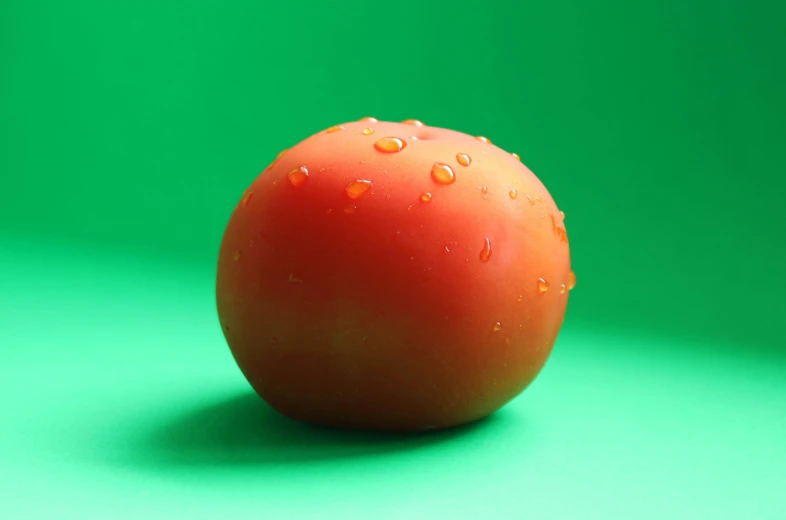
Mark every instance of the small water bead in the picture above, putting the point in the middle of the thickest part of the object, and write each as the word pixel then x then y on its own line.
pixel 368 131
pixel 543 285
pixel 441 173
pixel 513 194
pixel 350 209
pixel 571 280
pixel 333 129
pixel 237 256
pixel 356 189
pixel 247 196
pixel 250 243
pixel 562 288
pixel 496 327
pixel 390 144
pixel 562 215
pixel 370 120
pixel 538 200
pixel 483 139
pixel 515 156
pixel 413 122
pixel 425 197
pixel 530 199
pixel 463 159
pixel 519 298
pixel 485 253
pixel 484 190
pixel 298 176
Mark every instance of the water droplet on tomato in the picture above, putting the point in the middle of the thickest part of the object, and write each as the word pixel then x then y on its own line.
pixel 390 144
pixel 571 280
pixel 247 196
pixel 483 139
pixel 425 197
pixel 496 327
pixel 562 215
pixel 413 122
pixel 484 190
pixel 298 176
pixel 463 159
pixel 368 131
pixel 370 120
pixel 350 209
pixel 441 173
pixel 237 256
pixel 519 298
pixel 513 194
pixel 562 288
pixel 356 189
pixel 485 253
pixel 333 129
pixel 543 285
pixel 515 156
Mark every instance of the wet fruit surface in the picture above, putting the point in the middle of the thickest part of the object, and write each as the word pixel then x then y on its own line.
pixel 373 295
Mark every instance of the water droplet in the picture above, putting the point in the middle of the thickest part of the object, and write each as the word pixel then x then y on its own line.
pixel 530 199
pixel 390 144
pixel 441 173
pixel 538 199
pixel 484 190
pixel 562 215
pixel 425 197
pixel 519 298
pixel 247 196
pixel 463 159
pixel 356 189
pixel 298 176
pixel 333 129
pixel 329 211
pixel 507 342
pixel 543 285
pixel 513 194
pixel 237 256
pixel 413 122
pixel 350 209
pixel 485 253
pixel 562 288
pixel 497 326
pixel 409 208
pixel 515 156
pixel 368 131
pixel 571 280
pixel 483 139
pixel 370 120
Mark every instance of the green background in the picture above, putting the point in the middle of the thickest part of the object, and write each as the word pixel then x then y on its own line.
pixel 129 129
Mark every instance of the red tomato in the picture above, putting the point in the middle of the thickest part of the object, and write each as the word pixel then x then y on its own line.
pixel 393 276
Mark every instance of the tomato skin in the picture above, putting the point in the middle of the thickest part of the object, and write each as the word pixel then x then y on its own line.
pixel 379 311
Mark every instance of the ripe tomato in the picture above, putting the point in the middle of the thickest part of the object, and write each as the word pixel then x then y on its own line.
pixel 393 276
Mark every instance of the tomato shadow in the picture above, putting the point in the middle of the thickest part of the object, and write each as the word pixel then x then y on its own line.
pixel 244 430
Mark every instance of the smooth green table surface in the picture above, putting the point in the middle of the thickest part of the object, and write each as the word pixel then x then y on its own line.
pixel 120 400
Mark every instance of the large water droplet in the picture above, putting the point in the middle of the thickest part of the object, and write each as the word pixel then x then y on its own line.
pixel 571 280
pixel 485 253
pixel 356 189
pixel 333 129
pixel 513 194
pixel 390 144
pixel 413 122
pixel 370 120
pixel 543 285
pixel 298 176
pixel 441 173
pixel 463 159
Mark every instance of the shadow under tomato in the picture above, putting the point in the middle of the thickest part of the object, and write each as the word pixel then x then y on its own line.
pixel 244 430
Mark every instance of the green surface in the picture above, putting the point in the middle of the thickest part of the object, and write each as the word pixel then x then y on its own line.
pixel 129 129
pixel 120 401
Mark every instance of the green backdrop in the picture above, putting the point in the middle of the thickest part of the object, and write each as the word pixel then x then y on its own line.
pixel 129 129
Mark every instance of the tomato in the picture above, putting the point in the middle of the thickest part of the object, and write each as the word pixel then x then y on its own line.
pixel 393 276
